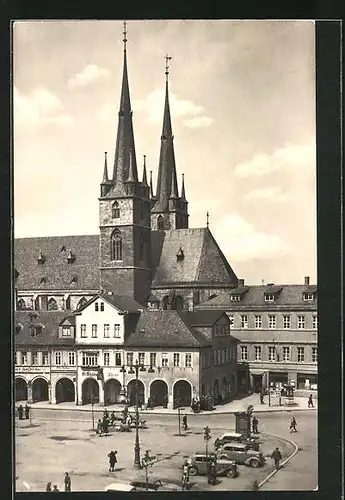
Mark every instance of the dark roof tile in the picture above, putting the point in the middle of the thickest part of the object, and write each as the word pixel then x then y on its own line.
pixel 56 269
pixel 49 335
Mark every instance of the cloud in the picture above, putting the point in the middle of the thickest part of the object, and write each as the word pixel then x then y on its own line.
pixel 39 107
pixel 90 74
pixel 271 194
pixel 241 242
pixel 153 105
pixel 198 121
pixel 290 156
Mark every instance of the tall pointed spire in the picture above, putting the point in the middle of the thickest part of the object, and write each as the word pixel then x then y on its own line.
pixel 183 192
pixel 174 189
pixel 144 181
pixel 125 147
pixel 105 171
pixel 151 187
pixel 167 167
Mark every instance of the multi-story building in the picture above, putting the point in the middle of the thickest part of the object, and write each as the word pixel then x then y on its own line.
pixel 277 330
pixel 89 356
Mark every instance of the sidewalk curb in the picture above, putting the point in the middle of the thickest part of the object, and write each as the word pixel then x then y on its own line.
pixel 267 478
pixel 171 412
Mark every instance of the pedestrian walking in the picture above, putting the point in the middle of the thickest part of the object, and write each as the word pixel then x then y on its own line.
pixel 99 427
pixel 184 422
pixel 67 482
pixel 293 425
pixel 20 412
pixel 255 425
pixel 277 456
pixel 49 486
pixel 112 460
pixel 112 418
pixel 55 488
pixel 310 401
pixel 262 398
pixel 105 425
pixel 27 412
pixel 212 473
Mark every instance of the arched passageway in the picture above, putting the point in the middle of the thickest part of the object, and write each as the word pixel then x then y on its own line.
pixel 64 391
pixel 133 387
pixel 40 390
pixel 112 389
pixel 177 303
pixel 231 386
pixel 21 390
pixel 224 391
pixel 90 391
pixel 182 393
pixel 158 392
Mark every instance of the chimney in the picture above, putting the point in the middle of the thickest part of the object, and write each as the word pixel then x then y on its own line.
pixel 270 284
pixel 306 280
pixel 241 282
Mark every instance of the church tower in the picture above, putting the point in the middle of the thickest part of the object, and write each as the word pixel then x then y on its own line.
pixel 170 211
pixel 124 211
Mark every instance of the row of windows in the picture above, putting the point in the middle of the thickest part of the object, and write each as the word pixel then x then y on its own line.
pixel 274 356
pixel 179 360
pixel 222 330
pixel 106 331
pixel 23 358
pixel 270 297
pixel 92 359
pixel 218 356
pixel 273 323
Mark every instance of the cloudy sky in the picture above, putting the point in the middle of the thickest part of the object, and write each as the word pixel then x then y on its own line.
pixel 243 109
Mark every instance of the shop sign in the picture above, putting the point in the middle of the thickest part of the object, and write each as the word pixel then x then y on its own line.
pixel 89 373
pixel 29 369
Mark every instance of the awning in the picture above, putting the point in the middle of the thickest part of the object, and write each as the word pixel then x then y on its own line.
pixel 257 372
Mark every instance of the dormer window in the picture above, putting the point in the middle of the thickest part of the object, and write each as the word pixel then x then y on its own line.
pixel 180 255
pixel 74 279
pixel 41 258
pixel 70 257
pixel 308 296
pixel 235 298
pixel 63 249
pixel 269 297
pixel 66 331
pixel 36 330
pixel 44 279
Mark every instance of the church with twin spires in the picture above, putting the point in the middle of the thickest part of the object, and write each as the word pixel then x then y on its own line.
pixel 144 249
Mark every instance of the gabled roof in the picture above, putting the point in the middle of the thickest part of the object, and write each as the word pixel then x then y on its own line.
pixel 69 320
pixel 164 329
pixel 202 317
pixel 120 302
pixel 56 269
pixel 203 262
pixel 49 335
pixel 290 295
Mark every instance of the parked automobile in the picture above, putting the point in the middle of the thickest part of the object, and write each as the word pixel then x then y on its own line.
pixel 198 465
pixel 232 436
pixel 241 453
pixel 153 485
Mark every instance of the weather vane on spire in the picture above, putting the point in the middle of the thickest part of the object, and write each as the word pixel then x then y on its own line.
pixel 125 33
pixel 167 59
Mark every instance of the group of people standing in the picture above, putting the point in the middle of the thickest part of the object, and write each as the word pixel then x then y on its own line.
pixel 23 411
pixel 109 420
pixel 67 481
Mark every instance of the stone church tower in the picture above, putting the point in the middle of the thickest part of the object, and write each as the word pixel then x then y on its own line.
pixel 170 211
pixel 124 215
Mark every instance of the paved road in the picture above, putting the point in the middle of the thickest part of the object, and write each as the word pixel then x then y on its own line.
pixel 62 440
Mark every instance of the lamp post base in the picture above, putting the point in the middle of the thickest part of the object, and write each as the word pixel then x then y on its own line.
pixel 137 462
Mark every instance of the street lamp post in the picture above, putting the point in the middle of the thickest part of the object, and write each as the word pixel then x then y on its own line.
pixel 135 369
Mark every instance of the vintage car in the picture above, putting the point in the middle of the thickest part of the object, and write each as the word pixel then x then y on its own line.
pixel 198 465
pixel 153 485
pixel 232 436
pixel 241 453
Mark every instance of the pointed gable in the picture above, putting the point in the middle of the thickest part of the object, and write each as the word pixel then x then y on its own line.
pixel 203 262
